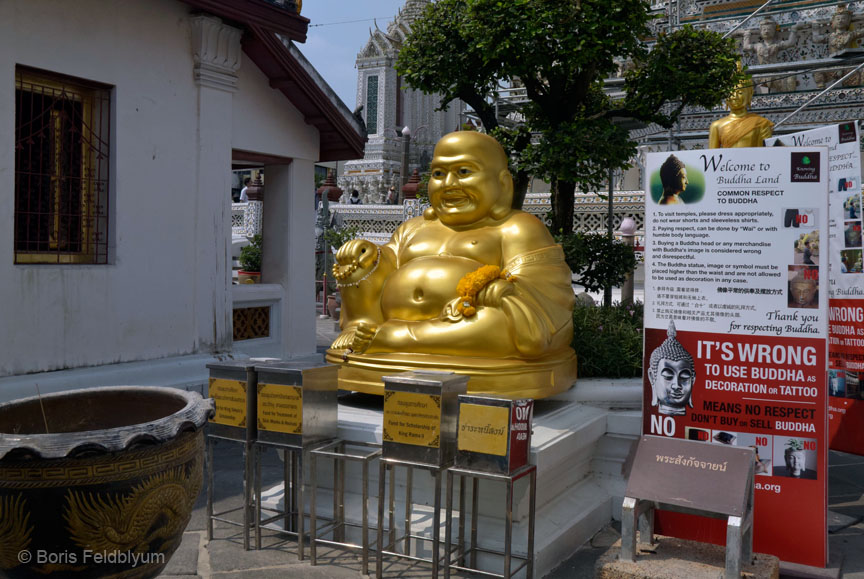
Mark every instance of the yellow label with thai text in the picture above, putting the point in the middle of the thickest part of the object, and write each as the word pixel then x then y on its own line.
pixel 412 418
pixel 483 429
pixel 230 399
pixel 280 408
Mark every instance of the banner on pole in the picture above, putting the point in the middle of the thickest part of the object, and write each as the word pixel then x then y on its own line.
pixel 736 328
pixel 845 281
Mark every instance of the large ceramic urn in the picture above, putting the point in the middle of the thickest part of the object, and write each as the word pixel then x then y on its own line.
pixel 98 482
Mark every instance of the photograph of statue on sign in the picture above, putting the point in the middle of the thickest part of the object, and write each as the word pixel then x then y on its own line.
pixel 671 373
pixel 676 183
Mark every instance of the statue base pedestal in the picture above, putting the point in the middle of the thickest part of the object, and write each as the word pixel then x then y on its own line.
pixel 506 378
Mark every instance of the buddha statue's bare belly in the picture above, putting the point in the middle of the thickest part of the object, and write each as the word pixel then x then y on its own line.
pixel 421 288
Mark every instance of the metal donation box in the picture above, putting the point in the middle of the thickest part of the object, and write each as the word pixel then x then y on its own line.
pixel 296 403
pixel 232 387
pixel 420 416
pixel 494 434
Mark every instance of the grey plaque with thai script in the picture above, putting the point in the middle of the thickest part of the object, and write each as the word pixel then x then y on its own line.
pixel 690 474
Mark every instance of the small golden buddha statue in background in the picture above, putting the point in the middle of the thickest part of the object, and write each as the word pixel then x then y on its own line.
pixel 740 128
pixel 472 286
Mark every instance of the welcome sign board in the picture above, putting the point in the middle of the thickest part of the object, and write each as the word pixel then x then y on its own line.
pixel 736 327
pixel 845 281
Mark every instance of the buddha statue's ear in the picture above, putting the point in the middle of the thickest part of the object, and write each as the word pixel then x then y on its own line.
pixel 429 214
pixel 652 374
pixel 503 204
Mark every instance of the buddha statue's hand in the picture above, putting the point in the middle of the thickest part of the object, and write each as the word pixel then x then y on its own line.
pixel 355 260
pixel 343 341
pixel 491 296
pixel 451 312
pixel 364 332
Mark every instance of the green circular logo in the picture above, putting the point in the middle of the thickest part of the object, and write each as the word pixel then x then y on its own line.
pixel 805 160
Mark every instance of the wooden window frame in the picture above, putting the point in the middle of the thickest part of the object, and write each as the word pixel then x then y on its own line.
pixel 87 223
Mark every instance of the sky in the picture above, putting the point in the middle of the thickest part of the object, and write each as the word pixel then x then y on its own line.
pixel 335 37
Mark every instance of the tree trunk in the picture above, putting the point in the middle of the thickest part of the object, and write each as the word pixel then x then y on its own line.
pixel 562 207
pixel 521 180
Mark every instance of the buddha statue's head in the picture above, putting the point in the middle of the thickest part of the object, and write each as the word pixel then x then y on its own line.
pixel 802 289
pixel 469 180
pixel 741 97
pixel 673 175
pixel 671 372
pixel 768 28
pixel 842 19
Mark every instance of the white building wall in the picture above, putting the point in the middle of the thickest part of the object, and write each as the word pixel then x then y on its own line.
pixel 265 121
pixel 169 177
pixel 140 305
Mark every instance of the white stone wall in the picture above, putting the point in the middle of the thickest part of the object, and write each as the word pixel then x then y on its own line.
pixel 142 305
pixel 165 292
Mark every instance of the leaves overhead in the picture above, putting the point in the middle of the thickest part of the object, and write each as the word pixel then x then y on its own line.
pixel 561 51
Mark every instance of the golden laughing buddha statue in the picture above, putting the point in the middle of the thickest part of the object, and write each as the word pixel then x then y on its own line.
pixel 472 286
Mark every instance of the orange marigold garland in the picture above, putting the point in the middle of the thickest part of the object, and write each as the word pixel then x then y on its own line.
pixel 471 284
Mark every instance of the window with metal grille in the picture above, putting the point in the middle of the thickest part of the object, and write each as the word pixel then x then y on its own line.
pixel 62 152
pixel 372 105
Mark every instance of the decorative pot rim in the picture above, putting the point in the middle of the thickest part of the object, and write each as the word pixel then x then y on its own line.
pixel 190 418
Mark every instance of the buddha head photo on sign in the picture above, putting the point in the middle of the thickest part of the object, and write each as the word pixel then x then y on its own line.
pixel 671 372
pixel 676 183
pixel 803 290
pixel 795 457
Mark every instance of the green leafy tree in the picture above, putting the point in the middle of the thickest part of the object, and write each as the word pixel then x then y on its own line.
pixel 599 262
pixel 561 51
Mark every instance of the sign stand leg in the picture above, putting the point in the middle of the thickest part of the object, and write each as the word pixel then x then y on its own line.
pixel 475 484
pixel 436 525
pixel 365 530
pixel 733 548
pixel 646 527
pixel 508 528
pixel 248 484
pixel 532 514
pixel 448 523
pixel 300 506
pixel 391 530
pixel 256 457
pixel 313 514
pixel 409 506
pixel 629 517
pixel 461 546
pixel 379 558
pixel 210 481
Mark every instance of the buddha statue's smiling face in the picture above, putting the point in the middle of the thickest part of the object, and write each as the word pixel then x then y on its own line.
pixel 469 179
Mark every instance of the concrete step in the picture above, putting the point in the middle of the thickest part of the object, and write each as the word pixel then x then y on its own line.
pixel 627 422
